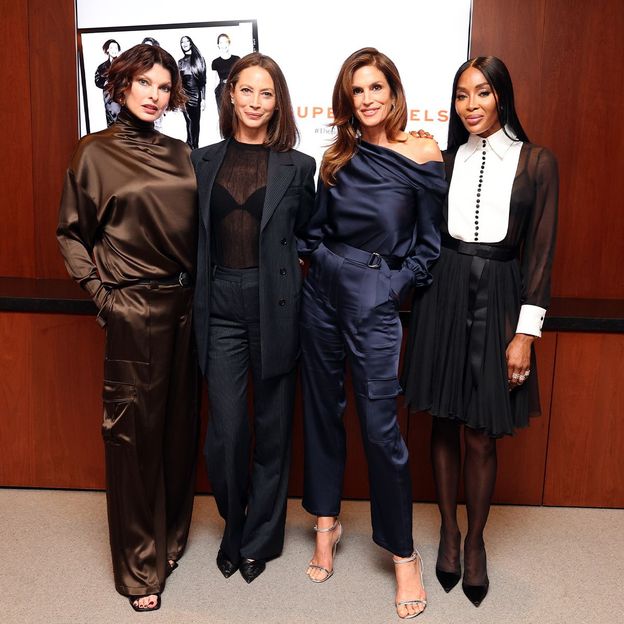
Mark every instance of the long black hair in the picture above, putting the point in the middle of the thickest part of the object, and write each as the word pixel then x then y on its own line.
pixel 497 75
pixel 198 64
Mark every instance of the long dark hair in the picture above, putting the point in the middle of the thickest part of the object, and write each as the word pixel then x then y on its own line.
pixel 282 132
pixel 198 64
pixel 497 76
pixel 347 126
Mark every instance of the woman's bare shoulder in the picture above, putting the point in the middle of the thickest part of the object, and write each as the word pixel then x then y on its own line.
pixel 422 150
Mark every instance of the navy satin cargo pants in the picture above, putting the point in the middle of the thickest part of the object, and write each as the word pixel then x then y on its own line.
pixel 348 313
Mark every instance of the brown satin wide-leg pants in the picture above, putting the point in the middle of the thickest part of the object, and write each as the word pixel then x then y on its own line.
pixel 150 431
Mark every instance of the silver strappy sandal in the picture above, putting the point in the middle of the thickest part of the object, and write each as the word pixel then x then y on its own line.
pixel 328 573
pixel 415 601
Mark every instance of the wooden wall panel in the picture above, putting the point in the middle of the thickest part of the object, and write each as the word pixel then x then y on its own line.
pixel 17 257
pixel 585 450
pixel 568 91
pixel 295 482
pixel 202 483
pixel 419 445
pixel 584 82
pixel 54 120
pixel 67 369
pixel 513 30
pixel 522 458
pixel 17 457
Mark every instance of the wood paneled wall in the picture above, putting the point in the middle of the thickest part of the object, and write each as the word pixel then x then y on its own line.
pixel 16 199
pixel 568 92
pixel 50 402
pixel 565 58
pixel 586 446
pixel 54 120
pixel 51 405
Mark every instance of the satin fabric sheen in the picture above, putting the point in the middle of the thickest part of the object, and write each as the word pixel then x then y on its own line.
pixel 129 200
pixel 128 219
pixel 373 207
pixel 382 203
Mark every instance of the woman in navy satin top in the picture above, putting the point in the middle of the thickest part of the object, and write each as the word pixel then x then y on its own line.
pixel 374 235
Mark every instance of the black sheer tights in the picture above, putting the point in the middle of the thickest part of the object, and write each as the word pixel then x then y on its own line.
pixel 479 478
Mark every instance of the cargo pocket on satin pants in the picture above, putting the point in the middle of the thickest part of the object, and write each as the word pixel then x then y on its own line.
pixel 119 397
pixel 381 420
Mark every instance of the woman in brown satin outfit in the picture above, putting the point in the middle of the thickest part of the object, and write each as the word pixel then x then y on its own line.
pixel 127 230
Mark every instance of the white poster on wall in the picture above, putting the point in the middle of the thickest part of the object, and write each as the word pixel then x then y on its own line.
pixel 427 39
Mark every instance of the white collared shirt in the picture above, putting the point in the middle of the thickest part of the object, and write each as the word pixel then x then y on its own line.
pixel 480 191
pixel 479 200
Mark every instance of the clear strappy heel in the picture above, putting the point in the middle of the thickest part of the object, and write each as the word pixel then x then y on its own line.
pixel 414 601
pixel 328 573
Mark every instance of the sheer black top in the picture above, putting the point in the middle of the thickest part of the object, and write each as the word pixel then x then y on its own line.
pixel 236 205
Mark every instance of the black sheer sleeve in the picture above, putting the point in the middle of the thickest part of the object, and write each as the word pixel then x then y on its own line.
pixel 539 242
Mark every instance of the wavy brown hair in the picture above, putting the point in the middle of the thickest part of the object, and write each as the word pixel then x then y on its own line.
pixel 137 60
pixel 343 147
pixel 282 134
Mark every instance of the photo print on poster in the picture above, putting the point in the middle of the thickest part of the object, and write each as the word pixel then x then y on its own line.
pixel 205 52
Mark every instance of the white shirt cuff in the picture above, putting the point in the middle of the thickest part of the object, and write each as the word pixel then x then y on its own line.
pixel 531 320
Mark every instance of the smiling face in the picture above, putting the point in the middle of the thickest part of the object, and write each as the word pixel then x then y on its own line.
pixel 148 95
pixel 185 44
pixel 476 104
pixel 253 98
pixel 372 97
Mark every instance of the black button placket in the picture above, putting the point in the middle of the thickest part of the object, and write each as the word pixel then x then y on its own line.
pixel 479 187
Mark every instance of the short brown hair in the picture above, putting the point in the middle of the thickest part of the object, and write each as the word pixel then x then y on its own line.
pixel 139 59
pixel 282 132
pixel 347 126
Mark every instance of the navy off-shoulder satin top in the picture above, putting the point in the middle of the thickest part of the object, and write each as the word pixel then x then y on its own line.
pixel 386 203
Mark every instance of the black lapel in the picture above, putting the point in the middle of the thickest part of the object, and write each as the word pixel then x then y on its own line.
pixel 280 173
pixel 207 170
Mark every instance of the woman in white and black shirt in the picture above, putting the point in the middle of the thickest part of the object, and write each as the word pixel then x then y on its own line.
pixel 470 358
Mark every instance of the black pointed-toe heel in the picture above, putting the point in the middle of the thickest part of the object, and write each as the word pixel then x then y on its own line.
pixel 476 593
pixel 251 569
pixel 448 580
pixel 171 566
pixel 226 566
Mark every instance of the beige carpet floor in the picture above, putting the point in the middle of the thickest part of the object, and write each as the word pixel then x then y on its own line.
pixel 546 566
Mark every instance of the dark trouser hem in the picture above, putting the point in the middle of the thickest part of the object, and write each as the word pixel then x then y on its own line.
pixel 139 592
pixel 315 512
pixel 261 556
pixel 407 552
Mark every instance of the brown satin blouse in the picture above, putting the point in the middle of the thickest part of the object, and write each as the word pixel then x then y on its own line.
pixel 128 210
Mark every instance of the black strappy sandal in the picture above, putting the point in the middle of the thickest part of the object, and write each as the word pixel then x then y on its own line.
pixel 135 599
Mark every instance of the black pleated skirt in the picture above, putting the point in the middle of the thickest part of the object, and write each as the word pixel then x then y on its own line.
pixel 455 365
